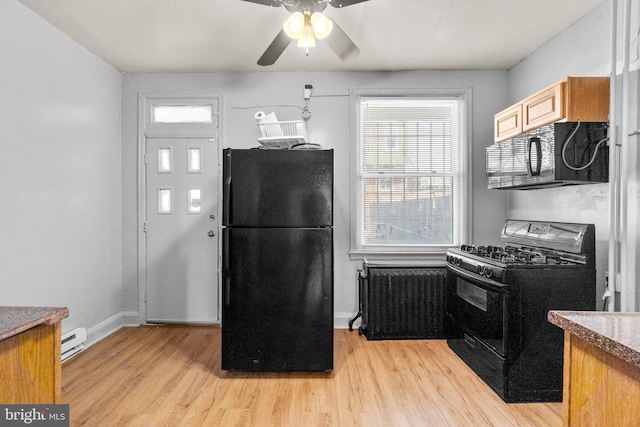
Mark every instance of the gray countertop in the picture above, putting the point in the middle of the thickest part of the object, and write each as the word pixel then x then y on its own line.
pixel 15 320
pixel 616 333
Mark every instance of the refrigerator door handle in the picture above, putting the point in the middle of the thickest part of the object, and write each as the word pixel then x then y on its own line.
pixel 226 188
pixel 226 268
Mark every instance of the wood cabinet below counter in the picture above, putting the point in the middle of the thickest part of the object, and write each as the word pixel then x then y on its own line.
pixel 601 368
pixel 30 355
pixel 573 99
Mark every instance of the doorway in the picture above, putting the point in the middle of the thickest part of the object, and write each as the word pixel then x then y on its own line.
pixel 181 230
pixel 179 269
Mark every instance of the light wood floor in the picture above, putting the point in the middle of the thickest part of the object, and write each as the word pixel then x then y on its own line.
pixel 171 376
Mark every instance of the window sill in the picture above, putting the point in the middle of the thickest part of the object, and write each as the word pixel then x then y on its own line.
pixel 436 258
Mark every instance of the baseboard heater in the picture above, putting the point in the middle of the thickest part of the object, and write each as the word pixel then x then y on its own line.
pixel 402 302
pixel 73 342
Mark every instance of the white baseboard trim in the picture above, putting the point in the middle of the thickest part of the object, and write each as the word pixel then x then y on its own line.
pixel 132 318
pixel 110 325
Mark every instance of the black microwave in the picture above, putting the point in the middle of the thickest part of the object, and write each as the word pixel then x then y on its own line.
pixel 553 155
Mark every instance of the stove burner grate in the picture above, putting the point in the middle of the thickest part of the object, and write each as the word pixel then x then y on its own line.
pixel 516 255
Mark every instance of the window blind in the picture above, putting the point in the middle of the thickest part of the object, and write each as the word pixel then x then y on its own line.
pixel 410 171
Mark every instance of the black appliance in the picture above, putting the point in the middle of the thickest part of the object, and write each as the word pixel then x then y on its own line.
pixel 499 297
pixel 277 260
pixel 551 156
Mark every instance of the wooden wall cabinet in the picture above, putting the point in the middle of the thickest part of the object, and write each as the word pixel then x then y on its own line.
pixel 508 123
pixel 573 99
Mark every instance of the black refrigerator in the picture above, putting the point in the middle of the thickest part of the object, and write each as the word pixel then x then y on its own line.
pixel 277 260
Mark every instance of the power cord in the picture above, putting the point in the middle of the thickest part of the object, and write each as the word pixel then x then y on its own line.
pixel 593 158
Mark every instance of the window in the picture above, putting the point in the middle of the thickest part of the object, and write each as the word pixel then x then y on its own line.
pixel 182 114
pixel 410 182
pixel 176 115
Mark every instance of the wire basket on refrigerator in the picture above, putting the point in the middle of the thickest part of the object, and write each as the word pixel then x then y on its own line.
pixel 283 134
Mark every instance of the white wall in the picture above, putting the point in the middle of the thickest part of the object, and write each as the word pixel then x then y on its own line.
pixel 60 175
pixel 581 50
pixel 329 125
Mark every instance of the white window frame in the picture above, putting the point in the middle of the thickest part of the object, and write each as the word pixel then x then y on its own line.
pixel 358 250
pixel 180 129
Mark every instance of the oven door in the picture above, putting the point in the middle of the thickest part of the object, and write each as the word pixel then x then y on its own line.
pixel 479 306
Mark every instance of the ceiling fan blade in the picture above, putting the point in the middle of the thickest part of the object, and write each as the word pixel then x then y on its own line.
pixel 272 3
pixel 344 3
pixel 275 49
pixel 341 44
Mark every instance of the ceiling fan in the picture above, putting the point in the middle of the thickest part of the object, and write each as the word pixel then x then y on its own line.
pixel 306 24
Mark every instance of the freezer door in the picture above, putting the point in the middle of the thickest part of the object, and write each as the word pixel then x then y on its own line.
pixel 277 307
pixel 278 188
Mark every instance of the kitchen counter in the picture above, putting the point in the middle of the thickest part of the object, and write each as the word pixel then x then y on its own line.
pixel 30 342
pixel 601 367
pixel 14 320
pixel 615 333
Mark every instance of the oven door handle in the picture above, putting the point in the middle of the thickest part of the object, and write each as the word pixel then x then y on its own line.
pixel 479 280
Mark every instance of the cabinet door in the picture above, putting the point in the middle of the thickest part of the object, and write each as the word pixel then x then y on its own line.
pixel 587 99
pixel 544 107
pixel 508 123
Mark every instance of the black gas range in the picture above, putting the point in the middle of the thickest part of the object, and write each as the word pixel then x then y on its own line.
pixel 499 296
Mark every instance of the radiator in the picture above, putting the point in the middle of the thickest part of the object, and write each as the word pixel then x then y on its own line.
pixel 73 342
pixel 402 302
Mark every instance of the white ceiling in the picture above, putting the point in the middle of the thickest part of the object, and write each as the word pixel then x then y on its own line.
pixel 137 36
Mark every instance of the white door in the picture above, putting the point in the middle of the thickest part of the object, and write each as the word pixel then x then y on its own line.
pixel 181 230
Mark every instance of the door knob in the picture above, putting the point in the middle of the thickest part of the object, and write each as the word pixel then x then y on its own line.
pixel 211 233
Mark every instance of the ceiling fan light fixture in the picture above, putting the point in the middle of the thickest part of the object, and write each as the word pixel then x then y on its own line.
pixel 294 25
pixel 322 25
pixel 307 39
pixel 306 23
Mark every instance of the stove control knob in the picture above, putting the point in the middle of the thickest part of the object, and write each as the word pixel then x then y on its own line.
pixel 488 272
pixel 479 269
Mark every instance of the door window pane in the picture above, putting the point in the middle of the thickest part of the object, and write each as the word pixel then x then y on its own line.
pixel 164 160
pixel 164 200
pixel 195 202
pixel 194 160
